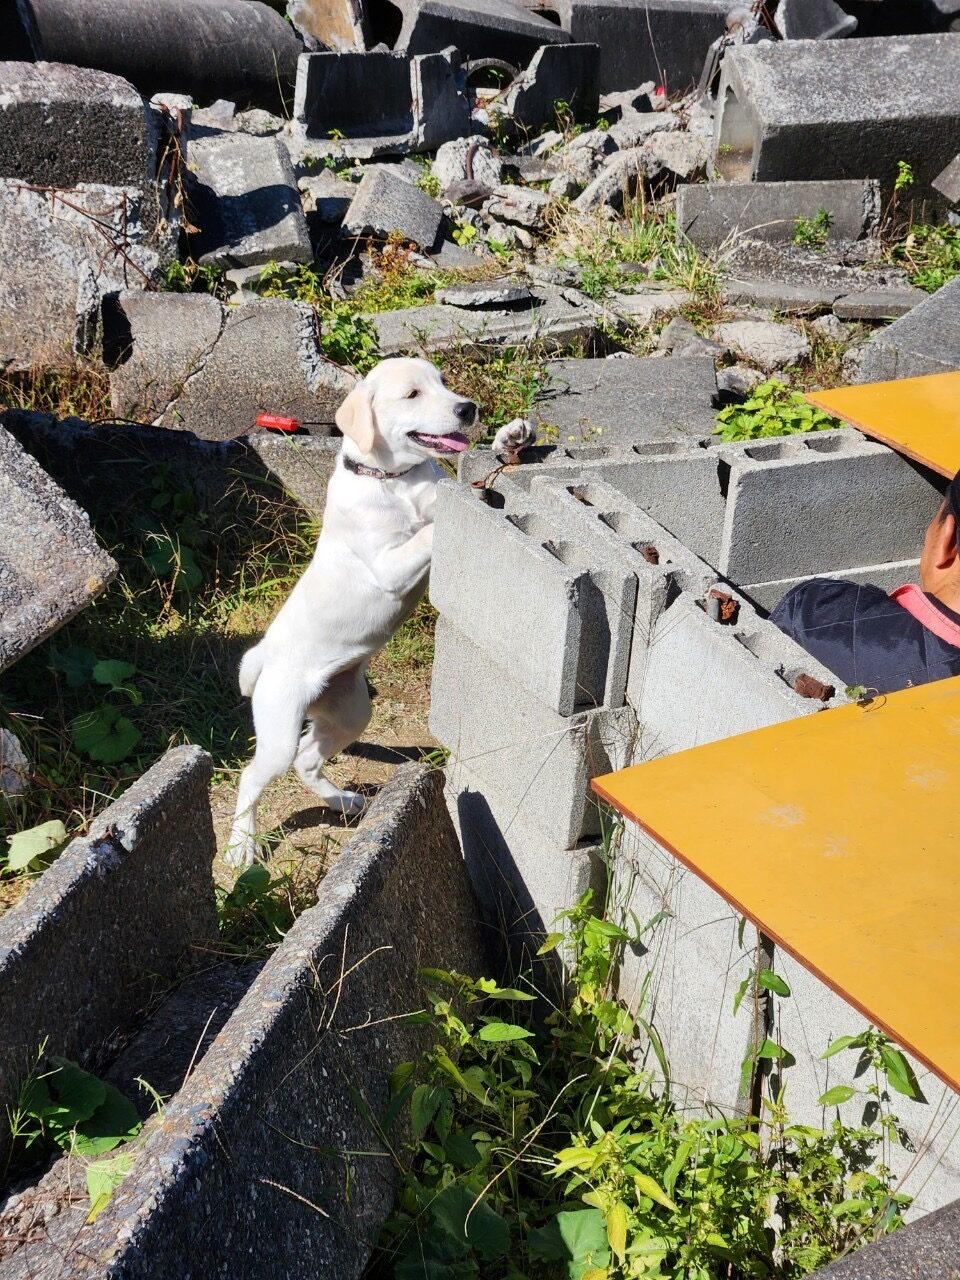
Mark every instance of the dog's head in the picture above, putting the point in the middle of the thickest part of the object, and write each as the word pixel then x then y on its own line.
pixel 402 413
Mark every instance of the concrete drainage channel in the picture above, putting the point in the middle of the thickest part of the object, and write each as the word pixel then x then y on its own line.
pixel 601 603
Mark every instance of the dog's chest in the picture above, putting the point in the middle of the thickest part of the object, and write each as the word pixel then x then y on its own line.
pixel 414 502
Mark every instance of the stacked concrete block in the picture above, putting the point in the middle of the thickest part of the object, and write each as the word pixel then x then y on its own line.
pixel 51 565
pixel 801 110
pixel 479 28
pixel 927 340
pixel 712 213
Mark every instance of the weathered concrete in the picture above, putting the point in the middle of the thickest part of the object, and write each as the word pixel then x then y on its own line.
pixel 479 28
pixel 769 345
pixel 119 913
pixel 878 304
pixel 14 766
pixel 336 24
pixel 567 73
pixel 813 20
pixel 237 49
pixel 838 109
pixel 320 1027
pixel 924 1250
pixel 711 213
pixel 245 201
pixel 947 182
pixel 384 204
pixel 927 340
pixel 51 565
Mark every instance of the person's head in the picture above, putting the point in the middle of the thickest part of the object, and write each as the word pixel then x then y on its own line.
pixel 940 558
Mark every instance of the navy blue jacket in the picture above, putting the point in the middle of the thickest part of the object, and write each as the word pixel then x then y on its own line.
pixel 864 637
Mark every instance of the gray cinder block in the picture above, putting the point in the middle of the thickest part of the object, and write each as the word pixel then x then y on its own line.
pixel 481 28
pixel 530 604
pixel 121 907
pixel 51 565
pixel 566 73
pixel 272 1108
pixel 799 110
pixel 711 213
pixel 536 763
pixel 926 340
pixel 384 203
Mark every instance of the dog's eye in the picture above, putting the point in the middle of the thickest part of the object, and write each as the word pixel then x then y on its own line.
pixel 412 395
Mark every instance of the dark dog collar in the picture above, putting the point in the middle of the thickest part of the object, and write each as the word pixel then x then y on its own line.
pixel 375 473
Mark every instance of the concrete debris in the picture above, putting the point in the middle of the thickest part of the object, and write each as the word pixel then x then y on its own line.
pixel 712 213
pixel 769 345
pixel 326 196
pixel 486 293
pixel 680 338
pixel 878 304
pixel 674 156
pixel 737 381
pixel 616 182
pixel 384 205
pixel 947 182
pixel 259 123
pixel 503 29
pixel 467 160
pixel 220 115
pixel 559 74
pixel 926 340
pixel 634 127
pixel 237 49
pixel 813 20
pixel 14 766
pixel 245 202
pixel 520 206
pixel 838 109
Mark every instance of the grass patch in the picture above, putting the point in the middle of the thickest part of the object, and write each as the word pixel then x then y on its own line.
pixel 504 384
pixel 772 410
pixel 930 255
pixel 67 390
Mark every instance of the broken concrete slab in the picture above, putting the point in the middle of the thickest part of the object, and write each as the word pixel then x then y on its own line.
pixel 674 155
pixel 813 20
pixel 800 110
pixel 385 205
pixel 271 1087
pixel 926 340
pixel 520 206
pixel 769 345
pixel 947 182
pixel 878 304
pixel 237 49
pixel 481 28
pixel 712 213
pixel 127 905
pixel 485 293
pixel 327 196
pixel 567 73
pixel 616 181
pixel 51 565
pixel 634 127
pixel 63 125
pixel 61 255
pixel 245 202
pixel 629 399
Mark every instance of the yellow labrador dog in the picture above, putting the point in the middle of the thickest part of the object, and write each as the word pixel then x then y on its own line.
pixel 368 572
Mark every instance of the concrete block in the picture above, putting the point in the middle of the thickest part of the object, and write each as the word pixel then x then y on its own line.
pixel 327 196
pixel 441 105
pixel 61 255
pixel 63 125
pixel 711 213
pixel 799 110
pixel 51 565
pixel 663 40
pixel 887 576
pixel 124 906
pixel 813 20
pixel 820 504
pixel 353 93
pixel 536 763
pixel 272 1088
pixel 926 340
pixel 878 304
pixel 480 581
pixel 480 28
pixel 558 72
pixel 385 204
pixel 246 202
pixel 947 182
pixel 917 1250
pixel 633 399
pixel 769 345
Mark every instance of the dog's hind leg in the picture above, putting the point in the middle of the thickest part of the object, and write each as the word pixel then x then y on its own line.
pixel 337 718
pixel 278 711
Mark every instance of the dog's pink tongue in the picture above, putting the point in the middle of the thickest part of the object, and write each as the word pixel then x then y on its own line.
pixel 456 442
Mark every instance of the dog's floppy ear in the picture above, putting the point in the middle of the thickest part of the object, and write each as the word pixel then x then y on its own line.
pixel 355 417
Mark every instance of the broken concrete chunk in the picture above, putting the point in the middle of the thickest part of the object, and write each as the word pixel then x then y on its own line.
pixel 711 213
pixel 327 196
pixel 259 123
pixel 674 155
pixel 947 182
pixel 634 127
pixel 333 24
pixel 51 565
pixel 467 159
pixel 221 115
pixel 560 79
pixel 60 126
pixel 813 20
pixel 680 338
pixel 926 340
pixel 61 254
pixel 738 380
pixel 521 206
pixel 441 109
pixel 385 204
pixel 617 180
pixel 481 28
pixel 878 304
pixel 485 293
pixel 14 766
pixel 838 109
pixel 770 346
pixel 245 202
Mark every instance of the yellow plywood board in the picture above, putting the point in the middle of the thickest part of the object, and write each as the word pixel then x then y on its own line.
pixel 919 417
pixel 838 835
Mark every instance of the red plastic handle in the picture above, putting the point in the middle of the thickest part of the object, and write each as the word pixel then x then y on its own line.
pixel 275 422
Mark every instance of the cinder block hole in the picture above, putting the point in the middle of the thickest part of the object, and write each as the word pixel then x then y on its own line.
pixel 650 552
pixel 532 525
pixel 384 23
pixel 564 552
pixel 593 451
pixel 752 643
pixel 580 492
pixel 734 158
pixel 723 477
pixel 551 15
pixel 655 448
pixel 615 520
pixel 770 452
pixel 826 443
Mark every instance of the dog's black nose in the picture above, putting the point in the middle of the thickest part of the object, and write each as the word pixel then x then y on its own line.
pixel 465 410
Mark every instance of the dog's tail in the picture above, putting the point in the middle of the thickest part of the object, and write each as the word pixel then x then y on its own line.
pixel 251 664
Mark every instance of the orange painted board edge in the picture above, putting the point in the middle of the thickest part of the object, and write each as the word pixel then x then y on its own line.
pixel 597 785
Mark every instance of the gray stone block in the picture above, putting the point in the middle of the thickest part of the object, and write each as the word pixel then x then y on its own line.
pixel 327 196
pixel 485 293
pixel 662 40
pixel 769 345
pixel 566 73
pixel 246 202
pixel 51 565
pixel 480 28
pixel 918 1252
pixel 926 340
pixel 384 204
pixel 273 1088
pixel 878 304
pixel 480 581
pixel 64 125
pixel 711 213
pixel 813 20
pixel 801 110
pixel 127 905
pixel 14 765
pixel 441 104
pixel 947 182
pixel 536 764
pixel 630 399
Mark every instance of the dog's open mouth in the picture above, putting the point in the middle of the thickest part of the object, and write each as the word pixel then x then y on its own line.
pixel 453 443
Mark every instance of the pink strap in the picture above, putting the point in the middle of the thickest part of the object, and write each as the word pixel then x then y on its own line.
pixel 911 598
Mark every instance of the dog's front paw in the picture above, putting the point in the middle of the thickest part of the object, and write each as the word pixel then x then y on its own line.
pixel 517 434
pixel 241 852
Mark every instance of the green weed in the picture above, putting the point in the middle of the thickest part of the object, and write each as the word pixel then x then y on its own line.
pixel 811 233
pixel 930 255
pixel 772 410
pixel 195 277
pixel 504 385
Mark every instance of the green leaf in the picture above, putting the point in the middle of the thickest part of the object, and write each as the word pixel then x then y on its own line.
pixel 461 1150
pixel 76 1093
pixel 400 1074
pixel 838 1094
pixel 647 1186
pixel 104 735
pixel 741 992
pixel 114 1122
pixel 900 1074
pixel 577 1237
pixel 113 672
pixel 76 663
pixel 423 1107
pixel 465 1218
pixel 36 842
pixel 770 981
pixel 550 943
pixel 843 1042
pixel 103 1178
pixel 499 1032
